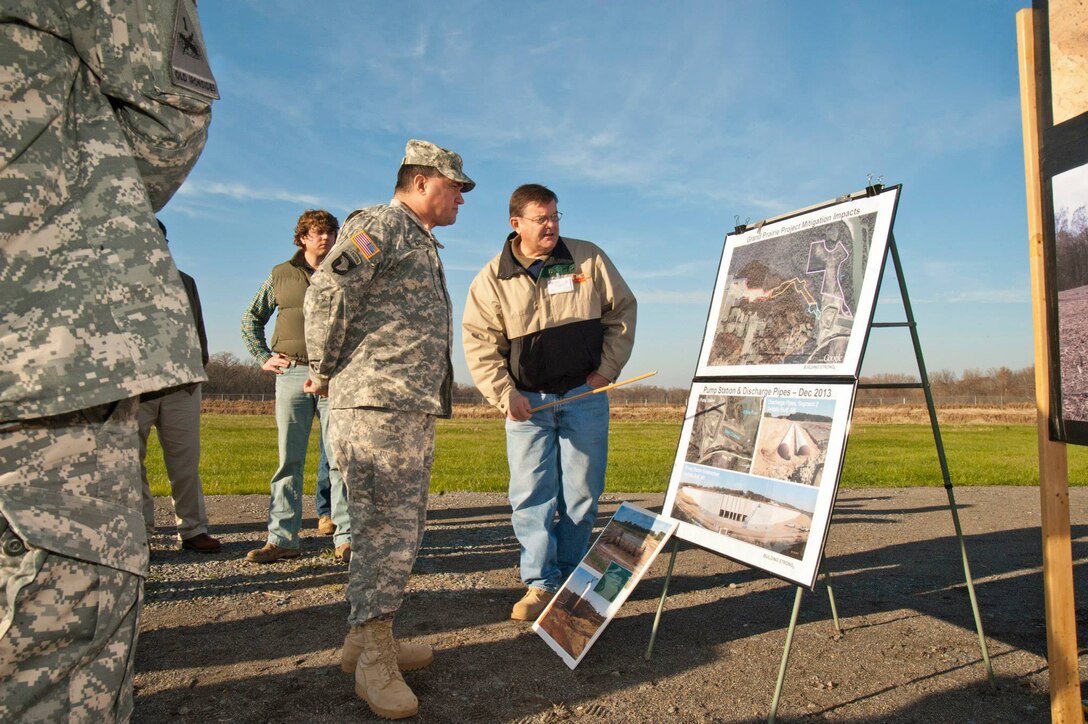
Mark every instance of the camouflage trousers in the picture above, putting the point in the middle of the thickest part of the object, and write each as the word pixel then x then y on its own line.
pixel 69 648
pixel 71 565
pixel 385 457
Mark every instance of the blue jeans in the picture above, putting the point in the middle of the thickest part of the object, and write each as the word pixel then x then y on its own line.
pixel 323 493
pixel 295 412
pixel 557 463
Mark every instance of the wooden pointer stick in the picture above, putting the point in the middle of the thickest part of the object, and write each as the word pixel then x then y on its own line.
pixel 606 388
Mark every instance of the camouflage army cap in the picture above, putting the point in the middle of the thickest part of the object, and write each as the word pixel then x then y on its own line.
pixel 425 153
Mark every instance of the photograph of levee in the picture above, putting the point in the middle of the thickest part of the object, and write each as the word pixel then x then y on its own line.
pixel 773 514
pixel 1070 191
pixel 1071 250
pixel 597 588
pixel 794 296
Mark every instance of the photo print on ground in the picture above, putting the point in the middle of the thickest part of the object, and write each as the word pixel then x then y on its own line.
pixel 597 588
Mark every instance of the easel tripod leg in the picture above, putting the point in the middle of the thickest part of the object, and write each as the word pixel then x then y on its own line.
pixel 661 603
pixel 941 458
pixel 971 589
pixel 785 656
pixel 831 599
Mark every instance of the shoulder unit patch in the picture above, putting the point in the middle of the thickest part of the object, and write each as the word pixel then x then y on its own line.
pixel 345 262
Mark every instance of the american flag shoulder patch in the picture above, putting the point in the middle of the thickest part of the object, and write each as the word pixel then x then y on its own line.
pixel 366 245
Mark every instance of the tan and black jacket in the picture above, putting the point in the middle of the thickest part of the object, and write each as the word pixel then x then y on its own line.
pixel 548 334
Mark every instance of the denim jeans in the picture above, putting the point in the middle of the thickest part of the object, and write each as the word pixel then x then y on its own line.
pixel 295 412
pixel 323 493
pixel 557 463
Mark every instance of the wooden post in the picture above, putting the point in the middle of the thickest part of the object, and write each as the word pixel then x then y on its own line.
pixel 1061 625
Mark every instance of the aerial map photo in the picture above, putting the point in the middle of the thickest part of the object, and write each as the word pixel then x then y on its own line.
pixel 791 299
pixel 724 431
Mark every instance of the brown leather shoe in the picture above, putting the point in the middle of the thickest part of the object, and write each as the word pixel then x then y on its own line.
pixel 343 553
pixel 271 553
pixel 325 526
pixel 202 543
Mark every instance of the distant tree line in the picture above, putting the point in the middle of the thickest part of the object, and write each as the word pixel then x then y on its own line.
pixel 1071 241
pixel 996 384
pixel 229 376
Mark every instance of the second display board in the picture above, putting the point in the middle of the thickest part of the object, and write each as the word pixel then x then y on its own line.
pixel 757 471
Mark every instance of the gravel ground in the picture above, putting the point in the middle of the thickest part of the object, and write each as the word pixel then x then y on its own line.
pixel 225 640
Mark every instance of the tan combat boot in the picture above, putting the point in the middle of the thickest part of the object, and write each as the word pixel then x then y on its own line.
pixel 411 656
pixel 377 678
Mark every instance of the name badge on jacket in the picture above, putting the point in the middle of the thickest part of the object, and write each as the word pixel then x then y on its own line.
pixel 561 285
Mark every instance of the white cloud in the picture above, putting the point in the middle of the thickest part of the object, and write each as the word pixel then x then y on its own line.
pixel 241 192
pixel 1071 190
pixel 973 296
pixel 679 270
pixel 666 297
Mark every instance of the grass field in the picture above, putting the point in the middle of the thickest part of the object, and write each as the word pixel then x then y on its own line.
pixel 239 456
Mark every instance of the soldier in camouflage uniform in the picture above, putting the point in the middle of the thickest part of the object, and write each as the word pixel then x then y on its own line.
pixel 105 110
pixel 378 333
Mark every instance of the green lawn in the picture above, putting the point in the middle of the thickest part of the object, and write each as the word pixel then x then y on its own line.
pixel 239 456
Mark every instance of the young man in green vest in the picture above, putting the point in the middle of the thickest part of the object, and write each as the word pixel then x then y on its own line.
pixel 284 290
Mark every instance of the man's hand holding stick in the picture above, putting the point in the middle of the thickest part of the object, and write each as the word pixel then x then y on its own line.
pixel 606 388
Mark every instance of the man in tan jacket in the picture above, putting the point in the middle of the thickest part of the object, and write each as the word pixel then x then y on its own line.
pixel 547 319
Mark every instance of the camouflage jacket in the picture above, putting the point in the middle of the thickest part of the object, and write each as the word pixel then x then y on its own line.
pixel 100 124
pixel 379 322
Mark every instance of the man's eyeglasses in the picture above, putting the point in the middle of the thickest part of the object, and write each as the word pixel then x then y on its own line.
pixel 541 220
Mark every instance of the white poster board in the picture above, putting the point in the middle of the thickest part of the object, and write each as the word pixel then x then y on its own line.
pixel 794 297
pixel 594 592
pixel 757 470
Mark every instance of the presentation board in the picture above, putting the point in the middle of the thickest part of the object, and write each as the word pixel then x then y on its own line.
pixel 1064 131
pixel 594 592
pixel 794 296
pixel 757 470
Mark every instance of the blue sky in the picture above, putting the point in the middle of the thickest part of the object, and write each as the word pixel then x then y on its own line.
pixel 656 124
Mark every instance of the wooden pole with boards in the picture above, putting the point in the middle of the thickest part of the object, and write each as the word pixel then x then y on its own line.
pixel 1061 631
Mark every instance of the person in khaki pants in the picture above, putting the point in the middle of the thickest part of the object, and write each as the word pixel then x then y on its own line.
pixel 175 413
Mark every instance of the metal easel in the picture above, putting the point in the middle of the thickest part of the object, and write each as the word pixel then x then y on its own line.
pixel 924 385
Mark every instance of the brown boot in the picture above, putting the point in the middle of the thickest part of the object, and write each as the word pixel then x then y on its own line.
pixel 532 604
pixel 377 678
pixel 271 553
pixel 411 655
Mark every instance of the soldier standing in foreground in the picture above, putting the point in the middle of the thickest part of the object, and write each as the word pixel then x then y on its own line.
pixel 105 110
pixel 378 332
